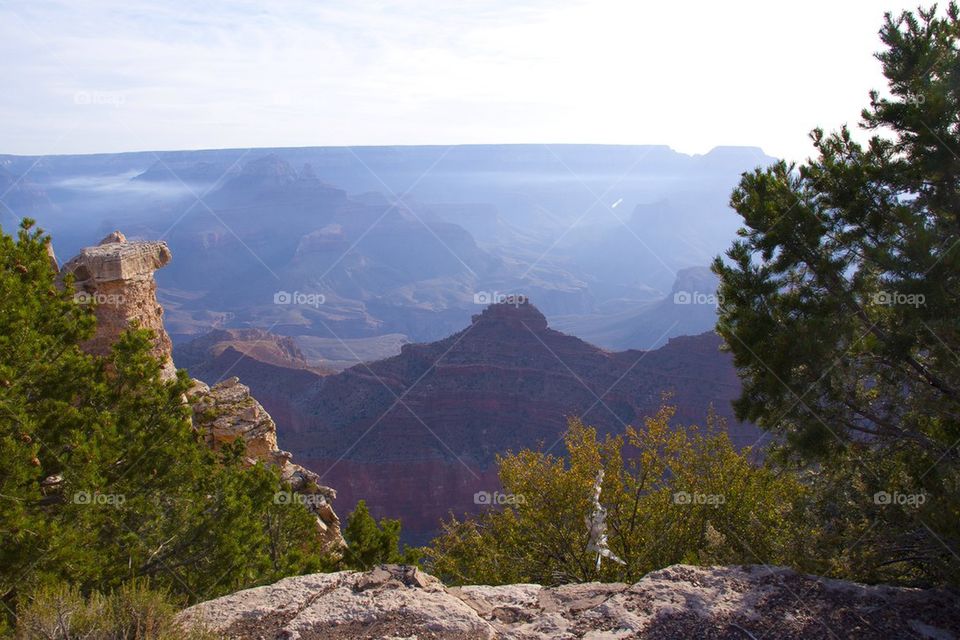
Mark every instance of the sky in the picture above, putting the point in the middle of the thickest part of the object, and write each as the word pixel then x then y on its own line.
pixel 124 75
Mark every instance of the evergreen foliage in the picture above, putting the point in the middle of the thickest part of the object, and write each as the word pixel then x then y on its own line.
pixel 841 306
pixel 370 543
pixel 140 495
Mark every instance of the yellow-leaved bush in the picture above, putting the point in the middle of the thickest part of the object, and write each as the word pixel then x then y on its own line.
pixel 673 494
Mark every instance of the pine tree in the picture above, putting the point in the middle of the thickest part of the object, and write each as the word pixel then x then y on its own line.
pixel 370 543
pixel 841 305
pixel 104 478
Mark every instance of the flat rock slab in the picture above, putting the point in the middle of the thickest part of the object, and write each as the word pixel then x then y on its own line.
pixel 679 602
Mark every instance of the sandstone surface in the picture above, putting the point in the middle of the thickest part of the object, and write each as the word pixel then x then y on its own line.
pixel 226 412
pixel 117 277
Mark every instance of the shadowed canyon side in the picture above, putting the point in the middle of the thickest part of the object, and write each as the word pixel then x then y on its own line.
pixel 416 435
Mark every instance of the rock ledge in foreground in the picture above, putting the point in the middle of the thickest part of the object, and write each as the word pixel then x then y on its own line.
pixel 736 603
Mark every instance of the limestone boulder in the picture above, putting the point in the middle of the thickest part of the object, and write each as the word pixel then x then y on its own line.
pixel 679 602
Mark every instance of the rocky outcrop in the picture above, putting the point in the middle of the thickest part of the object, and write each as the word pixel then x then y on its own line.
pixel 117 277
pixel 227 412
pixel 201 356
pixel 679 602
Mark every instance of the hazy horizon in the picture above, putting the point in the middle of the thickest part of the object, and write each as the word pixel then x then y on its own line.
pixel 109 77
pixel 387 146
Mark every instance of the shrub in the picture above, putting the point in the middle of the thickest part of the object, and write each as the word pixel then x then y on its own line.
pixel 671 494
pixel 132 612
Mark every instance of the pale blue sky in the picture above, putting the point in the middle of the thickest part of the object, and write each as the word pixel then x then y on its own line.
pixel 120 75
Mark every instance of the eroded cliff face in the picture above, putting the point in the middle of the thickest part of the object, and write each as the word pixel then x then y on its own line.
pixel 116 276
pixel 226 411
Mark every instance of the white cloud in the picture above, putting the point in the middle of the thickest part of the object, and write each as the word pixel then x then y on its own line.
pixel 191 75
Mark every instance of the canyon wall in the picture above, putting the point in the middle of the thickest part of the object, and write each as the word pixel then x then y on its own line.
pixel 416 435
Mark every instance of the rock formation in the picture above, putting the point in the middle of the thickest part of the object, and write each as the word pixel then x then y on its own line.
pixel 117 276
pixel 226 346
pixel 227 411
pixel 507 381
pixel 679 602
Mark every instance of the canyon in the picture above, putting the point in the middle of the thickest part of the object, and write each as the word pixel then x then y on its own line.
pixel 416 435
pixel 400 240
